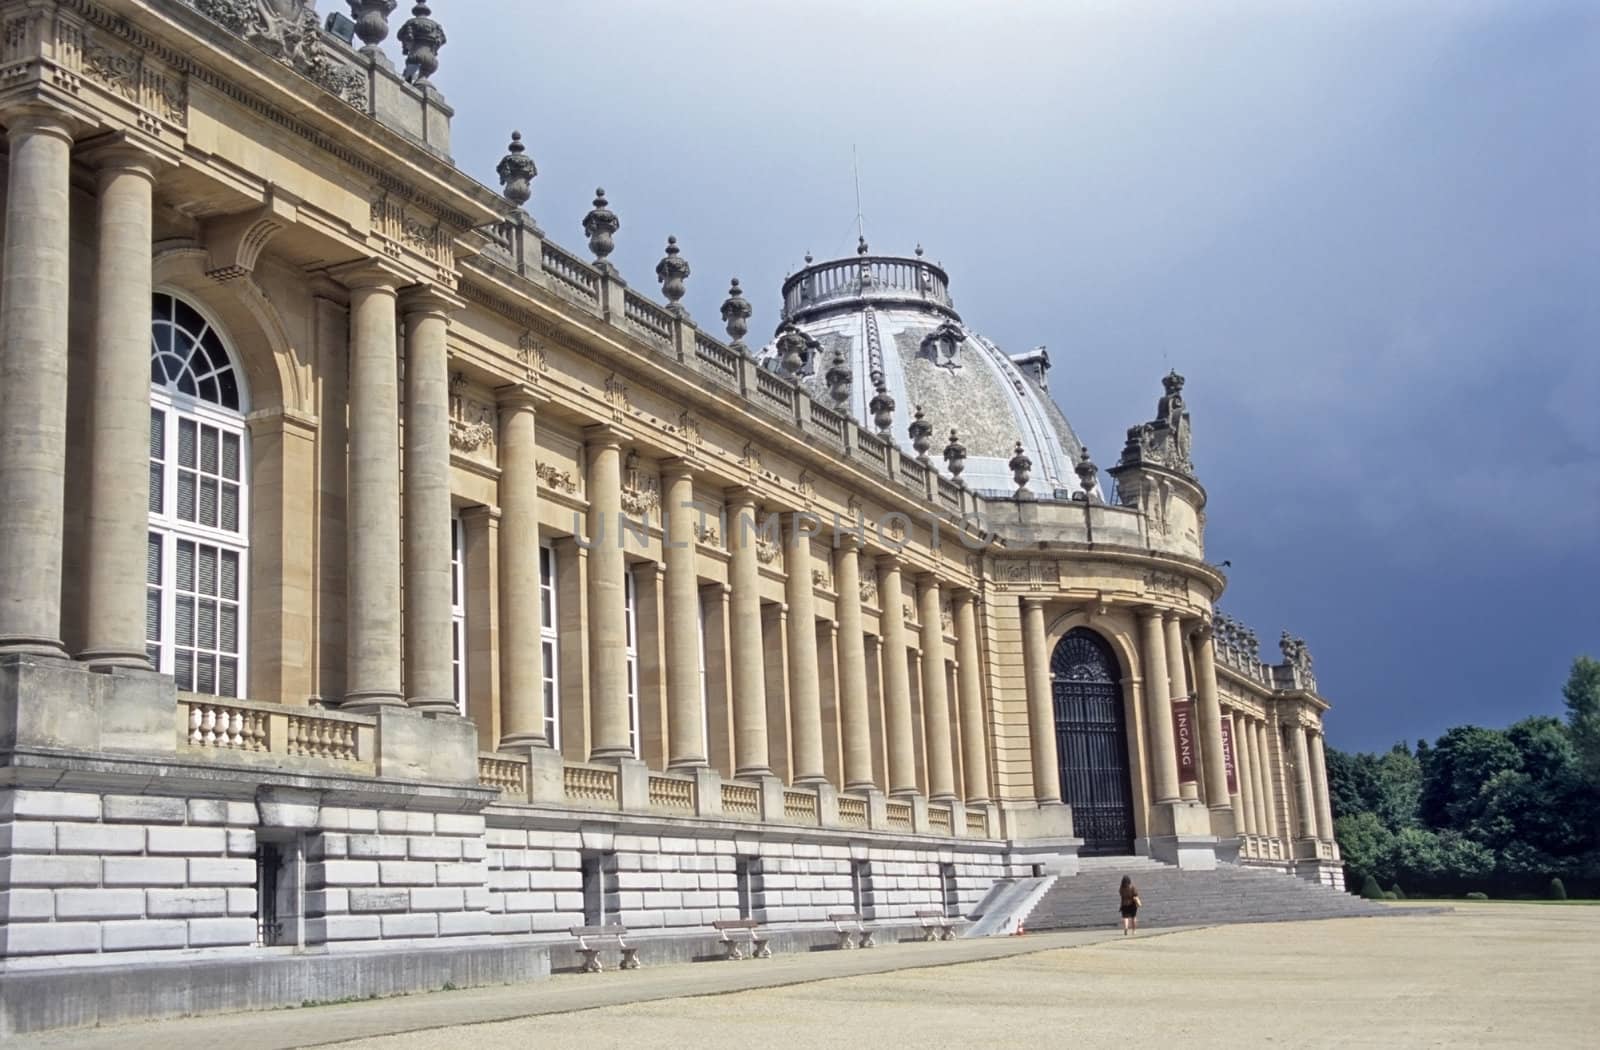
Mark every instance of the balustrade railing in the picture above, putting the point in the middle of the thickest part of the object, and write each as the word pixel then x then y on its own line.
pixel 852 811
pixel 776 389
pixel 939 820
pixel 800 807
pixel 898 815
pixel 873 448
pixel 828 422
pixel 589 784
pixel 646 319
pixel 722 363
pixel 949 494
pixel 507 775
pixel 572 274
pixel 230 728
pixel 322 738
pixel 977 824
pixel 913 474
pixel 671 792
pixel 741 800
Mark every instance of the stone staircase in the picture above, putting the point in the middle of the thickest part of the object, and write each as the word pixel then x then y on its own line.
pixel 1231 893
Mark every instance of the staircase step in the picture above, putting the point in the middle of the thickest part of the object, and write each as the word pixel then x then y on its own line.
pixel 1231 893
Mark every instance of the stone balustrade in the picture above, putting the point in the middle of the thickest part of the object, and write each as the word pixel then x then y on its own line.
pixel 542 778
pixel 242 729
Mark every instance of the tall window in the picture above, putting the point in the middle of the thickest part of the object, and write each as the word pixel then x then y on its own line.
pixel 548 644
pixel 631 618
pixel 458 615
pixel 195 600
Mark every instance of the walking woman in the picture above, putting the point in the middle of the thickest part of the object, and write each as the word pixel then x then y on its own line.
pixel 1130 906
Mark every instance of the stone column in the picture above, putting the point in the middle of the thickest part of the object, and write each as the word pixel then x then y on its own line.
pixel 427 501
pixel 609 712
pixel 685 723
pixel 1245 771
pixel 521 652
pixel 1178 685
pixel 969 690
pixel 935 697
pixel 1041 705
pixel 1158 708
pixel 114 580
pixel 373 526
pixel 853 703
pixel 1214 762
pixel 33 377
pixel 1319 789
pixel 1302 780
pixel 744 638
pixel 1266 787
pixel 805 698
pixel 896 680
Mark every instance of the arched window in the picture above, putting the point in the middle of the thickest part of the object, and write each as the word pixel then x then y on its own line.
pixel 199 504
pixel 1091 741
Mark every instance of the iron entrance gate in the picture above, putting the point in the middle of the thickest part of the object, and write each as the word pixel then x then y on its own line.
pixel 1092 742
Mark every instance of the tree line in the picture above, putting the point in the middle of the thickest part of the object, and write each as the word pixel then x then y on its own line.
pixel 1497 811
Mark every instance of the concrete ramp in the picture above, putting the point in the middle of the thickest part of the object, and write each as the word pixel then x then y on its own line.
pixel 1007 902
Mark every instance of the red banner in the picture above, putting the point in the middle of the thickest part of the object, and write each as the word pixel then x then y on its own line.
pixel 1183 740
pixel 1227 755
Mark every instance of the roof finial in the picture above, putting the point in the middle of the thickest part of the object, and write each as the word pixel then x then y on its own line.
pixel 955 458
pixel 736 311
pixel 517 171
pixel 600 224
pixel 921 435
pixel 372 23
pixel 671 271
pixel 1021 470
pixel 861 245
pixel 881 406
pixel 1088 473
pixel 421 38
pixel 838 379
pixel 919 249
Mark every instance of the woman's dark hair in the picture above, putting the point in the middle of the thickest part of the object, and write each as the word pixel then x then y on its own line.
pixel 1126 882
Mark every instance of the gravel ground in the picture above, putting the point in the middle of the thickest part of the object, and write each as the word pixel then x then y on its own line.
pixel 1481 976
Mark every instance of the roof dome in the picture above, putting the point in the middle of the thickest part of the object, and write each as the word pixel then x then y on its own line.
pixel 890 318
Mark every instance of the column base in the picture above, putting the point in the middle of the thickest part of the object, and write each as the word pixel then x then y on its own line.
pixel 687 765
pixel 521 742
pixel 754 773
pixel 26 645
pixel 1223 823
pixel 433 705
pixel 370 701
pixel 1180 833
pixel 111 659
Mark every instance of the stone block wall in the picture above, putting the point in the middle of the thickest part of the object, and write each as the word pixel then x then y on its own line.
pixel 85 874
pixel 381 875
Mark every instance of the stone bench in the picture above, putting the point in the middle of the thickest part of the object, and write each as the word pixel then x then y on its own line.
pixel 731 928
pixel 593 939
pixel 852 931
pixel 935 925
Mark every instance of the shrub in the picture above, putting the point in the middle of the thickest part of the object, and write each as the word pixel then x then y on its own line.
pixel 1370 889
pixel 1396 893
pixel 1477 895
pixel 1557 890
pixel 1388 895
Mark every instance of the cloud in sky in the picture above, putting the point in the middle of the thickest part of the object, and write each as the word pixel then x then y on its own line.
pixel 1368 233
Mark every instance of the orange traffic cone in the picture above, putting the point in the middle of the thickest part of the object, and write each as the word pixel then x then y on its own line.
pixel 1020 930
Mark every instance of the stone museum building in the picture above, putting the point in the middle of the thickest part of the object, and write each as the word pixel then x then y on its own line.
pixel 388 585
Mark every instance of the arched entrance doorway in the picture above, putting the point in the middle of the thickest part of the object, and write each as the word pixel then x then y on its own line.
pixel 1092 742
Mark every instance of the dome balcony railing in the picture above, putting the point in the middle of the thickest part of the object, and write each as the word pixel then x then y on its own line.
pixel 872 278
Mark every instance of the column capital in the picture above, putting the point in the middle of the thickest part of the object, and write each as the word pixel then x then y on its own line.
pixel 1034 601
pixel 605 435
pixel 373 273
pixel 676 467
pixel 741 495
pixel 929 579
pixel 40 118
pixel 850 541
pixel 120 152
pixel 521 395
pixel 430 300
pixel 484 513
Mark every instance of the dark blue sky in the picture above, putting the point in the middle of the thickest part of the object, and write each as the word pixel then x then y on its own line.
pixel 1368 233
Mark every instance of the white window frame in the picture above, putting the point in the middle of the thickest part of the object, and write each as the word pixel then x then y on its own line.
pixel 171 530
pixel 630 607
pixel 458 612
pixel 550 645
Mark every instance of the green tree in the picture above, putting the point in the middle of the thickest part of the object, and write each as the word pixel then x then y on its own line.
pixel 1582 693
pixel 1458 767
pixel 1367 847
pixel 1398 785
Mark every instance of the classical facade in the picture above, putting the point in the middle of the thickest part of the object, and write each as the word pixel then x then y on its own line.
pixel 377 573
